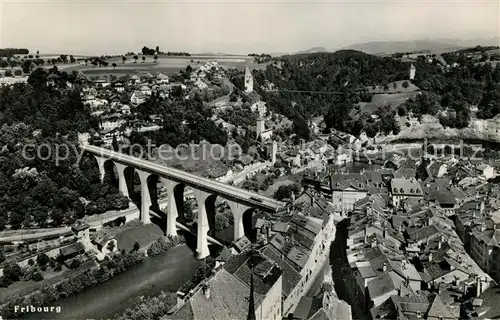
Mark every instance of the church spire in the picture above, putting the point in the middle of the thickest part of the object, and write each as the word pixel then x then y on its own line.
pixel 251 302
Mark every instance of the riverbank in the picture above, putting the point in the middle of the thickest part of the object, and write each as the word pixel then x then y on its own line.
pixel 165 272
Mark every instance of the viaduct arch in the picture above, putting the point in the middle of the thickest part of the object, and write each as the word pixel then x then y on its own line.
pixel 206 191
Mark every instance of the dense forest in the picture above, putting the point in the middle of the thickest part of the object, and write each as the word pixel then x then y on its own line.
pixel 331 84
pixel 39 117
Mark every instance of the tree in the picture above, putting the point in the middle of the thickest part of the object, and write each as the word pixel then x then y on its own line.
pixel 12 272
pixel 111 246
pixel 286 191
pixel 42 260
pixel 124 59
pixel 155 58
pixel 72 59
pixel 75 263
pixel 136 246
pixel 157 50
pixel 136 58
pixel 143 59
pixel 395 85
pixel 113 65
pixel 37 276
pixel 405 85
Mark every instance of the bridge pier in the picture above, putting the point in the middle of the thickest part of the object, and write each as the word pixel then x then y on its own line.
pixel 145 197
pixel 202 242
pixel 238 210
pixel 102 170
pixel 172 211
pixel 122 181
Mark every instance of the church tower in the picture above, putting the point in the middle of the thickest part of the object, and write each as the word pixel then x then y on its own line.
pixel 413 70
pixel 261 127
pixel 248 80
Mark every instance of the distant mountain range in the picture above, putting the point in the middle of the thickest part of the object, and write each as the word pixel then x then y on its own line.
pixel 434 45
pixel 389 47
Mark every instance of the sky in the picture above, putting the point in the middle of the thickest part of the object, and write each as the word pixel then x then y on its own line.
pixel 118 26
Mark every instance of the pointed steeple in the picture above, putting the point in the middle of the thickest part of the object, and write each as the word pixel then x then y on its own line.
pixel 251 302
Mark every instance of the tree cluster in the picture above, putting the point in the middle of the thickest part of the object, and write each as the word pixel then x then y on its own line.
pixel 163 244
pixel 285 191
pixel 42 185
pixel 184 121
pixel 9 52
pixel 150 307
pixel 201 273
pixel 453 92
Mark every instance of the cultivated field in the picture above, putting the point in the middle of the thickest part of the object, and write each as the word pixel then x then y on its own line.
pixel 165 64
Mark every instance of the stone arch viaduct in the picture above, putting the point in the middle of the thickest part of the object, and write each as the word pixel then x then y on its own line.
pixel 205 191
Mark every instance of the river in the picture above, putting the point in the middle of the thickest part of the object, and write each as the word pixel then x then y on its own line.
pixel 165 272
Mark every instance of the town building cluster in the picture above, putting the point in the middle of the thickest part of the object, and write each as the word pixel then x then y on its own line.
pixel 422 237
pixel 291 276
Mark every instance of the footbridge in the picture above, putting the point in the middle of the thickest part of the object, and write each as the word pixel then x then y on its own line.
pixel 206 191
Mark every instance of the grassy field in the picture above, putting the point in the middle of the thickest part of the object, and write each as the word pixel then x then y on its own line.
pixel 167 65
pixel 399 88
pixel 378 100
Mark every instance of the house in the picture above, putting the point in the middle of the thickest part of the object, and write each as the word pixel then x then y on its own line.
pixel 102 83
pixel 263 133
pixel 403 190
pixel 225 294
pixel 71 251
pixel 119 87
pixel 162 78
pixel 348 188
pixel 137 98
pixel 134 79
pixel 146 90
pixel 125 109
pixel 105 242
pixel 200 84
pixel 485 170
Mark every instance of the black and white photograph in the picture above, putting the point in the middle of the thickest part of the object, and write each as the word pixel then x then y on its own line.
pixel 249 160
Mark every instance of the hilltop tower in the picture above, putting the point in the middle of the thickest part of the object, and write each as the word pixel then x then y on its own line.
pixel 413 70
pixel 261 127
pixel 248 80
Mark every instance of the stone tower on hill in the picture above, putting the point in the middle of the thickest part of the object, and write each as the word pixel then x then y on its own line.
pixel 248 80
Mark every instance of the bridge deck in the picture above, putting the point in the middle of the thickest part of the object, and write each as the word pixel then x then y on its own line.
pixel 228 191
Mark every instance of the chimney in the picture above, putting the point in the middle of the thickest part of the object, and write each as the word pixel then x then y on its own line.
pixel 430 257
pixel 293 196
pixel 384 267
pixel 206 291
pixel 465 288
pixel 483 227
pixel 440 243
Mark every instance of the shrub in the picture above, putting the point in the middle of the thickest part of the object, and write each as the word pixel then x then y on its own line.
pixel 36 276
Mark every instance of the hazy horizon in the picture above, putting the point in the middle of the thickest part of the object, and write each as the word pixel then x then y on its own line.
pixel 112 27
